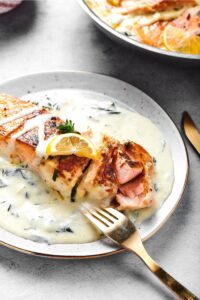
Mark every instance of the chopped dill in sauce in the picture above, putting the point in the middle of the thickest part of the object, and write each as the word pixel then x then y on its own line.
pixel 155 186
pixel 126 33
pixel 107 107
pixel 22 173
pixel 163 145
pixel 114 112
pixel 19 172
pixel 154 160
pixel 27 195
pixel 55 175
pixel 65 229
pixel 50 105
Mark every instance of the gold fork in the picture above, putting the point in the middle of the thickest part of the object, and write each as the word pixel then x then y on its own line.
pixel 117 227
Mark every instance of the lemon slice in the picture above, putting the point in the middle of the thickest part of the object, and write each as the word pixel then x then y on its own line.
pixel 179 40
pixel 71 143
pixel 114 2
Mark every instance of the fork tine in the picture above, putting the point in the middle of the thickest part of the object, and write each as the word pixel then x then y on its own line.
pixel 95 220
pixel 106 210
pixel 114 213
pixel 106 215
pixel 100 217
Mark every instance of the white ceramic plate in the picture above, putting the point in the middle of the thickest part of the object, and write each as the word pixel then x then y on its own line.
pixel 138 101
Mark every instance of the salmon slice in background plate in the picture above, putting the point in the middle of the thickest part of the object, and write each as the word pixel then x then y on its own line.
pixel 153 6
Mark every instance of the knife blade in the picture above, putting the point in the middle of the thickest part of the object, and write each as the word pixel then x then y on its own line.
pixel 191 131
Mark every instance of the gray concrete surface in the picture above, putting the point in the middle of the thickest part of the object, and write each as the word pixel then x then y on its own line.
pixel 56 34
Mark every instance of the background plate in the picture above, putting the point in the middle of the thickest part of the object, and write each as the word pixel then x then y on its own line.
pixel 122 39
pixel 137 100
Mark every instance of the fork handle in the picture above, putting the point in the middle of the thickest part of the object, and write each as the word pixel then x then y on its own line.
pixel 181 291
pixel 178 289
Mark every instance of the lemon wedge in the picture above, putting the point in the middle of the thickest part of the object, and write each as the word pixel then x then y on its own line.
pixel 71 143
pixel 179 40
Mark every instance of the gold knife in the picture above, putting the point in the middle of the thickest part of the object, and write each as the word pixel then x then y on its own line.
pixel 191 131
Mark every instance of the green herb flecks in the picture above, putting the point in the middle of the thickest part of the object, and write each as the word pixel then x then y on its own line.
pixel 127 33
pixel 67 127
pixel 65 229
pixel 114 112
pixel 111 109
pixel 55 175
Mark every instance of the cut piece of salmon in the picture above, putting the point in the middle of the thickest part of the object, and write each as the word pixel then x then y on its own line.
pixel 136 203
pixel 126 168
pixel 99 183
pixel 138 153
pixel 139 189
pixel 62 174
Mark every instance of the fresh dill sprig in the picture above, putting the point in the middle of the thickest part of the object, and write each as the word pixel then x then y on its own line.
pixel 67 127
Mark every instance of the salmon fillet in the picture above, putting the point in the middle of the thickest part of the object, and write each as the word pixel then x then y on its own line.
pixel 120 176
pixel 153 6
pixel 68 169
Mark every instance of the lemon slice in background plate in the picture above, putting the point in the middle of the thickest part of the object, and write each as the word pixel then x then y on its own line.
pixel 183 34
pixel 180 40
pixel 71 143
pixel 114 2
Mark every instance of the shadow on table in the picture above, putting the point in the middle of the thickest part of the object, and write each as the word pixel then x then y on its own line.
pixel 18 21
pixel 128 270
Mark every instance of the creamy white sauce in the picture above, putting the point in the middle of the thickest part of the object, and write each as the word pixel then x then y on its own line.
pixel 29 209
